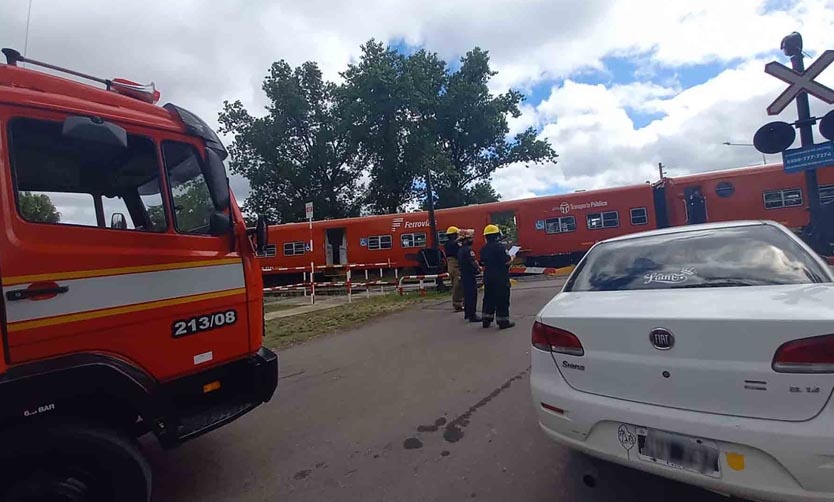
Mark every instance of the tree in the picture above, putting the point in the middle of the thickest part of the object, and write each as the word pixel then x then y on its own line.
pixel 38 207
pixel 472 133
pixel 193 205
pixel 300 151
pixel 410 113
pixel 391 101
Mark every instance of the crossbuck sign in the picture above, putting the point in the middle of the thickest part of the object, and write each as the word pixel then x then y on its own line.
pixel 800 82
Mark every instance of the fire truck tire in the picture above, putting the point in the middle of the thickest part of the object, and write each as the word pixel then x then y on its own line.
pixel 72 463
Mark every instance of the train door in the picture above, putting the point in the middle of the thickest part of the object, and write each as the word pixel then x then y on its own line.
pixel 336 246
pixel 696 205
pixel 507 223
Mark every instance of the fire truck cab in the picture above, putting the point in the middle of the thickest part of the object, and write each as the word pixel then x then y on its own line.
pixel 132 301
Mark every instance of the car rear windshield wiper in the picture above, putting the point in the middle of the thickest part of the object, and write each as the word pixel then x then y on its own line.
pixel 727 283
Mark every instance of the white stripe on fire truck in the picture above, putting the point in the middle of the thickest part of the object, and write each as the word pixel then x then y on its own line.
pixel 98 293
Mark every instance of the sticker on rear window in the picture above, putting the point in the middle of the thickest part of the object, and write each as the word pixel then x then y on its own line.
pixel 669 277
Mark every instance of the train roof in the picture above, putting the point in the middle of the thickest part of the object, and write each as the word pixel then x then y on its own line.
pixel 503 205
pixel 726 173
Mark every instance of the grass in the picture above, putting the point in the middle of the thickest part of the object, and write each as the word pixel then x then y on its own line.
pixel 277 307
pixel 286 331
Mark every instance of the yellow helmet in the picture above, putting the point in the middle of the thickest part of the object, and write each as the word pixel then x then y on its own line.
pixel 491 229
pixel 452 230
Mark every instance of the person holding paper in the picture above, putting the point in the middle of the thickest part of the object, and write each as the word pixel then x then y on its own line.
pixel 496 262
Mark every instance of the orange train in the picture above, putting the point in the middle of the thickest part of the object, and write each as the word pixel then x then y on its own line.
pixel 553 230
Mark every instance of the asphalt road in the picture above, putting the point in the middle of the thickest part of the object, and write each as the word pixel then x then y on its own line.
pixel 418 406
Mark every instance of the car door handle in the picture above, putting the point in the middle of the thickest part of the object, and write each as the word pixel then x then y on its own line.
pixel 22 294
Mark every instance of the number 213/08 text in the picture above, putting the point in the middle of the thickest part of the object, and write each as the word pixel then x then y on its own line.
pixel 203 323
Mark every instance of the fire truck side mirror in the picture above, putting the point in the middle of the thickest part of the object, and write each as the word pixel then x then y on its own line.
pixel 218 185
pixel 219 223
pixel 94 130
pixel 117 221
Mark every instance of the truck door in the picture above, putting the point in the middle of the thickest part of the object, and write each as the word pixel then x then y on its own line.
pixel 110 250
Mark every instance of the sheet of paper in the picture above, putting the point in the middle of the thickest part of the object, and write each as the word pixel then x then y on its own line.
pixel 513 251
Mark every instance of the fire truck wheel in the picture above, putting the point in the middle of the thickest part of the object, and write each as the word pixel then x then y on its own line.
pixel 72 463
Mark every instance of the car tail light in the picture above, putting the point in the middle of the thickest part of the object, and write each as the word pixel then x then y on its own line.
pixel 556 340
pixel 806 355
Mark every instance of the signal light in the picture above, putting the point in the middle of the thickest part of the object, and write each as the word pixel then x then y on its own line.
pixel 552 339
pixel 554 409
pixel 806 355
pixel 146 93
pixel 211 386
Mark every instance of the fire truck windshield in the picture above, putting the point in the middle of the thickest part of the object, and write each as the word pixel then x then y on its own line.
pixel 63 180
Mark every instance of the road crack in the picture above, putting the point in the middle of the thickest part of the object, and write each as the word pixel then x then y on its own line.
pixel 453 430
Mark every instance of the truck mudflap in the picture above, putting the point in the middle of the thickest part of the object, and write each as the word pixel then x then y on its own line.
pixel 203 402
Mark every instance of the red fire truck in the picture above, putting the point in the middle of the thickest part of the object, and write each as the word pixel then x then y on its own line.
pixel 132 297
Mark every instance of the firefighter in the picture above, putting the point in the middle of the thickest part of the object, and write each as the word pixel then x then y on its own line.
pixel 496 280
pixel 452 247
pixel 469 268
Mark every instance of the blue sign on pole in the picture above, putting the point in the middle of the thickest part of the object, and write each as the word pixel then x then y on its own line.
pixel 808 157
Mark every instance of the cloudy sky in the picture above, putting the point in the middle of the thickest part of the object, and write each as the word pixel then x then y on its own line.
pixel 616 86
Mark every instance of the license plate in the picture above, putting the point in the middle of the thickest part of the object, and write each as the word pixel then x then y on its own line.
pixel 678 451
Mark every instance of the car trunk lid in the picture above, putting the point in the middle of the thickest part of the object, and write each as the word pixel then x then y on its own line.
pixel 723 343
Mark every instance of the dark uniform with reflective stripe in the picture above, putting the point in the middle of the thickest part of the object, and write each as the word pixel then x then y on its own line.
pixel 496 283
pixel 469 268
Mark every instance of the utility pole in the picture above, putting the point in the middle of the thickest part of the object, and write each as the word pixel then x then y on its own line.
pixel 432 223
pixel 792 47
pixel 660 170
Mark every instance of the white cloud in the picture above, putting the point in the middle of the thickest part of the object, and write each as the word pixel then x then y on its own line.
pixel 599 145
pixel 202 52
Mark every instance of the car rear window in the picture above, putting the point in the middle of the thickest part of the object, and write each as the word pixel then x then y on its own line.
pixel 724 257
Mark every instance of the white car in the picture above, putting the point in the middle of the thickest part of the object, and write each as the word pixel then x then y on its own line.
pixel 702 353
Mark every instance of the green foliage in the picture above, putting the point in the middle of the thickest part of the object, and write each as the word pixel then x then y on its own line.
pixel 300 151
pixel 394 117
pixel 472 130
pixel 192 205
pixel 506 222
pixel 392 101
pixel 38 208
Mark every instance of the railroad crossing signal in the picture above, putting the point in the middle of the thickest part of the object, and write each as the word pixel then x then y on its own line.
pixel 799 82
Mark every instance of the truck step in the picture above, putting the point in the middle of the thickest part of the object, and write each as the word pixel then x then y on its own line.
pixel 207 419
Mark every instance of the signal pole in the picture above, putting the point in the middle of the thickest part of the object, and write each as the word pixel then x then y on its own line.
pixel 432 223
pixel 792 47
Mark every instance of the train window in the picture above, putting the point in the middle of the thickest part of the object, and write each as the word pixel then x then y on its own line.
pixel 724 189
pixel 639 216
pixel 293 248
pixel 560 225
pixel 788 197
pixel 413 240
pixel 826 193
pixel 270 251
pixel 379 242
pixel 607 219
pixel 442 238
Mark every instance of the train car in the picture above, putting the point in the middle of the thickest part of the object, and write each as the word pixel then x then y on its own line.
pixel 557 230
pixel 365 242
pixel 553 230
pixel 762 192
